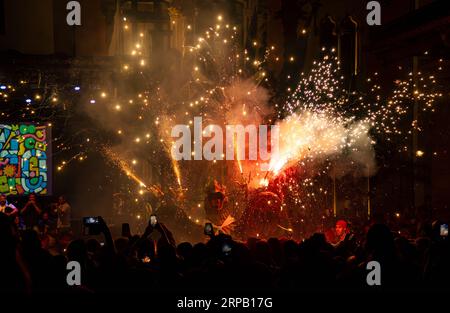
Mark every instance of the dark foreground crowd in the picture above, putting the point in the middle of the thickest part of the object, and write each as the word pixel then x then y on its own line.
pixel 153 261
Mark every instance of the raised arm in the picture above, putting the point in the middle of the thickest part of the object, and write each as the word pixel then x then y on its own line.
pixel 109 243
pixel 13 210
pixel 37 208
pixel 25 207
pixel 166 234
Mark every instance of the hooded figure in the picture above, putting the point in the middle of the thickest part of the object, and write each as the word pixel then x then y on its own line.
pixel 215 208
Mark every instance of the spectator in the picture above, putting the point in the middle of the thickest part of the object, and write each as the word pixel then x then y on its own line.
pixel 30 212
pixel 46 223
pixel 63 210
pixel 14 273
pixel 32 263
pixel 7 208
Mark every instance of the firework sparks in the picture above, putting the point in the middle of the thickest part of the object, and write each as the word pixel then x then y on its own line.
pixel 125 168
pixel 320 124
pixel 176 170
pixel 236 147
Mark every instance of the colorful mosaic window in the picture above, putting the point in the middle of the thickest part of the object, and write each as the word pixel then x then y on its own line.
pixel 25 165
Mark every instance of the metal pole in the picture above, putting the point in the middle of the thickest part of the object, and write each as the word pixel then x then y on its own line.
pixel 368 194
pixel 334 193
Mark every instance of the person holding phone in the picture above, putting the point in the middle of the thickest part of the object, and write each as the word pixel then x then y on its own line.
pixel 153 220
pixel 91 225
pixel 214 208
pixel 217 214
pixel 31 212
pixel 443 231
pixel 209 230
pixel 166 237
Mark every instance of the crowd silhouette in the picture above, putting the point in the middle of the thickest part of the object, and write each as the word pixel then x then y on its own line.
pixel 32 262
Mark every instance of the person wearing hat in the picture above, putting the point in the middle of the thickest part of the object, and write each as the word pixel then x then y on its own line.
pixel 214 207
pixel 216 211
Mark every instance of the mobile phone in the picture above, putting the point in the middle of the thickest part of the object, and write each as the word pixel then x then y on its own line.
pixel 90 220
pixel 91 225
pixel 153 220
pixel 126 232
pixel 209 231
pixel 226 249
pixel 444 230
